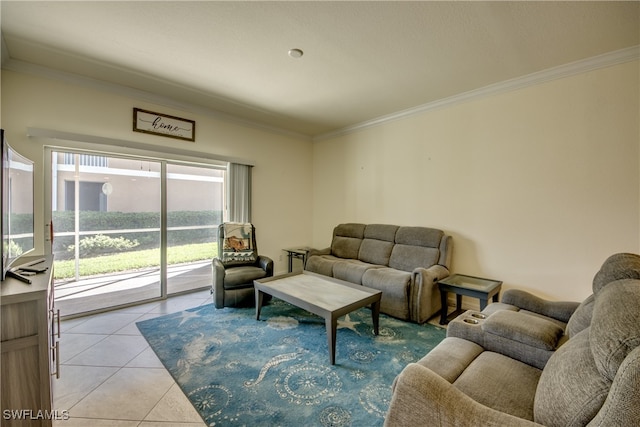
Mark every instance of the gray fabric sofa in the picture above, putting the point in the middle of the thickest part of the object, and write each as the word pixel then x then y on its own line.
pixel 403 262
pixel 592 379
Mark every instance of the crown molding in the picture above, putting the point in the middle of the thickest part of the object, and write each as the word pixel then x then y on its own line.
pixel 24 67
pixel 600 61
pixel 566 70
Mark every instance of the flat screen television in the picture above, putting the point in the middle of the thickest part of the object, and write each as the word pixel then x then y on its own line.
pixel 17 224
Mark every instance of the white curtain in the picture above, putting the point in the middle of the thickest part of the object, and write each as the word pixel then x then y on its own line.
pixel 239 192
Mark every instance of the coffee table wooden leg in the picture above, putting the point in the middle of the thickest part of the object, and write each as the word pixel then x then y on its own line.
pixel 332 326
pixel 259 298
pixel 375 316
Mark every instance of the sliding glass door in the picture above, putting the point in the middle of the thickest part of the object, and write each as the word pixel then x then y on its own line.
pixel 106 222
pixel 194 211
pixel 130 229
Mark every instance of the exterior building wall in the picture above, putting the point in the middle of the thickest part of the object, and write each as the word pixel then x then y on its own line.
pixel 185 191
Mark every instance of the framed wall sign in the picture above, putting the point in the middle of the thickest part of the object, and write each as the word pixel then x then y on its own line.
pixel 164 125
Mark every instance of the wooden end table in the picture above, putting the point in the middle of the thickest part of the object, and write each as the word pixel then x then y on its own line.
pixel 470 286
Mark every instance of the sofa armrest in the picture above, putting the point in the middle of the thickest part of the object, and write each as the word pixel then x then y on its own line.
pixel 432 274
pixel 559 310
pixel 524 328
pixel 519 335
pixel 424 298
pixel 312 252
pixel 419 395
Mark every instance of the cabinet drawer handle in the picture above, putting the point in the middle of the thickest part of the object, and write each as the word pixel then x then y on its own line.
pixel 55 321
pixel 58 315
pixel 52 322
pixel 57 358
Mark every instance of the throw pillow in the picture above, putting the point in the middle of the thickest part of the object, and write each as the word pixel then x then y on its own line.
pixel 237 244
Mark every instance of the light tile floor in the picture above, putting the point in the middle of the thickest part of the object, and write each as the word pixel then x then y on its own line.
pixel 111 377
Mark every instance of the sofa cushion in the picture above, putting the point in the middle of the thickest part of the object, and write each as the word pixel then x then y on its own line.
pixel 578 377
pixel 351 270
pixel 347 239
pixel 571 390
pixel 616 267
pixel 501 383
pixel 562 325
pixel 523 328
pixel 384 232
pixel 394 285
pixel 375 251
pixel 354 230
pixel 451 357
pixel 559 310
pixel 322 264
pixel 242 277
pixel 419 236
pixel 622 407
pixel 581 318
pixel 498 306
pixel 615 326
pixel 345 247
pixel 408 258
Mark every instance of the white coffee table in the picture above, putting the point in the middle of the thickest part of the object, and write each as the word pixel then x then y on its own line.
pixel 325 296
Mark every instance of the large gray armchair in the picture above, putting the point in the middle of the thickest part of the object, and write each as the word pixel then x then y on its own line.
pixel 593 379
pixel 238 264
pixel 530 328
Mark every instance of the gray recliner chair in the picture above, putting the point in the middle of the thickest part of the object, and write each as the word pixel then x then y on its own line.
pixel 591 380
pixel 530 328
pixel 238 264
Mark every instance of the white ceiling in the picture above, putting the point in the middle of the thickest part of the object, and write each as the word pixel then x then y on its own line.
pixel 362 60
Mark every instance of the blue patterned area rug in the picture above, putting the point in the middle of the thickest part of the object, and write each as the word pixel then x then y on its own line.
pixel 276 371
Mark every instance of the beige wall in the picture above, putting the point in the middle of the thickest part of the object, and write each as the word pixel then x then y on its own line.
pixel 537 186
pixel 281 176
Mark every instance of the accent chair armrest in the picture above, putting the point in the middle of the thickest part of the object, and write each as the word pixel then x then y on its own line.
pixel 266 263
pixel 422 397
pixel 559 310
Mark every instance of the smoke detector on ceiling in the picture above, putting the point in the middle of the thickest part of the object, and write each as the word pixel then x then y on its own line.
pixel 296 53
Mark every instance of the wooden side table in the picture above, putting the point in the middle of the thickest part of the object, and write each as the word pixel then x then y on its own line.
pixel 471 286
